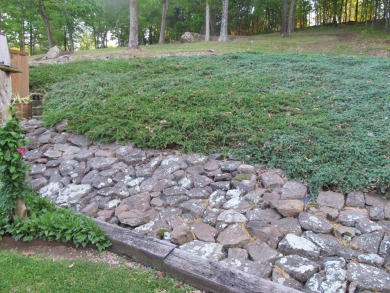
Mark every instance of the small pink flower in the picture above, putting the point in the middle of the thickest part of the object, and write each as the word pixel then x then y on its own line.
pixel 22 151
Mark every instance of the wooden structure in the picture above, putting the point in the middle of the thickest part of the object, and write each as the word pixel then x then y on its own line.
pixel 5 79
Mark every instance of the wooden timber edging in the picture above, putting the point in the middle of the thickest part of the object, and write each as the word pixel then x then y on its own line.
pixel 192 269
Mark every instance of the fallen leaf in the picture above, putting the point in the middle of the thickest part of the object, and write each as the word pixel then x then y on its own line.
pixel 71 265
pixel 28 253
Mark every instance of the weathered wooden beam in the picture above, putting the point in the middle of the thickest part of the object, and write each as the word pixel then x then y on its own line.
pixel 192 269
pixel 11 69
pixel 5 81
pixel 212 276
pixel 146 250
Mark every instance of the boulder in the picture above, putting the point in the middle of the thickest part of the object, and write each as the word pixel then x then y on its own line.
pixel 53 53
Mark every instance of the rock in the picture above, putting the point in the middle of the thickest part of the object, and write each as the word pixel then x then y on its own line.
pixel 230 166
pixel 314 223
pixel 244 182
pixel 237 253
pixel 267 215
pixel 356 199
pixel 346 232
pixel 368 242
pixel 231 217
pixel 331 279
pixel 384 248
pixel 79 140
pixel 282 278
pixel 100 182
pixel 169 165
pixel 362 275
pixel 101 163
pixel 364 225
pixel 211 165
pixel 289 208
pixel 293 190
pixel 200 181
pixel 195 206
pixel 376 213
pixel 106 215
pixel 181 235
pixel 84 155
pixel 298 267
pixel 239 205
pixel 91 209
pixel 38 169
pixel 292 244
pixel 133 218
pixel 209 251
pixel 217 199
pixel 328 213
pixel 210 216
pixel 271 180
pixel 189 37
pixel 331 199
pixel 199 193
pixel 371 259
pixel 139 202
pixel 157 202
pixel 204 232
pixel 375 200
pixel 256 268
pixel 255 197
pixel 223 177
pixel 72 194
pixel 330 246
pixel 136 157
pixel 51 191
pixel 195 159
pixel 349 217
pixel 61 126
pixel 245 169
pixel 53 53
pixel 234 236
pixel 288 226
pixel 265 232
pixel 52 154
pixel 260 251
pixel 38 183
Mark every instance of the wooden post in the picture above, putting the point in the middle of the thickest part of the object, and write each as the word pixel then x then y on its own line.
pixel 5 81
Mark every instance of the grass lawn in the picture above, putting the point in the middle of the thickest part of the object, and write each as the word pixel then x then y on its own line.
pixel 324 119
pixel 37 274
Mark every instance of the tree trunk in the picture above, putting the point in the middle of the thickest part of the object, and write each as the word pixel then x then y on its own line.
pixel 45 18
pixel 284 18
pixel 291 20
pixel 163 21
pixel 70 34
pixel 133 37
pixel 207 29
pixel 223 36
pixel 356 10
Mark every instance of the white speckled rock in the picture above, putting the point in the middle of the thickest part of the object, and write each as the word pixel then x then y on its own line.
pixel 292 244
pixel 209 251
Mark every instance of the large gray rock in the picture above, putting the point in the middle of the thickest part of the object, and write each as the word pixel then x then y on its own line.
pixel 368 277
pixel 217 199
pixel 199 193
pixel 292 244
pixel 231 217
pixel 149 168
pixel 271 180
pixel 331 279
pixel 331 199
pixel 101 163
pixel 181 234
pixel 356 199
pixel 368 242
pixel 51 191
pixel 260 251
pixel 136 157
pixel 189 37
pixel 293 190
pixel 206 250
pixel 364 225
pixel 257 268
pixel 53 53
pixel 314 223
pixel 169 165
pixel 349 217
pixel 289 207
pixel 298 267
pixel 79 140
pixel 288 226
pixel 72 194
pixel 265 232
pixel 204 232
pixel 196 207
pixel 139 202
pixel 384 248
pixel 282 278
pixel 91 209
pixel 267 215
pixel 234 236
pixel 133 218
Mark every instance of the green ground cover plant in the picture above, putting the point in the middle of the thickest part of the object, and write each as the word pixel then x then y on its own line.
pixel 38 274
pixel 322 119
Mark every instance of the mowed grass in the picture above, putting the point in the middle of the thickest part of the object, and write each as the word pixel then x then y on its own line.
pixel 322 119
pixel 20 274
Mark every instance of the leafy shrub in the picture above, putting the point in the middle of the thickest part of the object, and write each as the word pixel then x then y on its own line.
pixel 48 223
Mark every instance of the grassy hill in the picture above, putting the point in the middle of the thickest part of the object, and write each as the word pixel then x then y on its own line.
pixel 322 118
